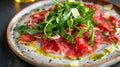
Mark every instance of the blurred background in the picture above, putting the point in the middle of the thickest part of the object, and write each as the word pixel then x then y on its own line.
pixel 8 8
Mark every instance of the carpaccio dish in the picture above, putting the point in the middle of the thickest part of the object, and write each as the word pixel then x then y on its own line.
pixel 71 28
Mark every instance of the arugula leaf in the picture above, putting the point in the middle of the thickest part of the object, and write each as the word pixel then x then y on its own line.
pixel 51 13
pixel 73 4
pixel 57 2
pixel 61 25
pixel 70 23
pixel 67 7
pixel 94 22
pixel 81 9
pixel 66 15
pixel 62 21
pixel 69 37
pixel 24 29
pixel 83 30
pixel 45 28
pixel 92 35
pixel 84 19
pixel 46 17
pixel 58 18
pixel 50 27
pixel 41 26
pixel 88 15
pixel 32 31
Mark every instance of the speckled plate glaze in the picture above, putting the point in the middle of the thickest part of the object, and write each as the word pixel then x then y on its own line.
pixel 28 54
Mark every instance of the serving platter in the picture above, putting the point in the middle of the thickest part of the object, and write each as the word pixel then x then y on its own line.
pixel 28 53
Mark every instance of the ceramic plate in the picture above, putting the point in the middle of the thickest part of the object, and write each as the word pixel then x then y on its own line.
pixel 28 54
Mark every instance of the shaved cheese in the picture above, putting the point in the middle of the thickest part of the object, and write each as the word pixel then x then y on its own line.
pixel 75 12
pixel 57 20
pixel 55 37
pixel 108 7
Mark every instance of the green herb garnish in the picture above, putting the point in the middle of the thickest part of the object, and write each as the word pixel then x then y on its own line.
pixel 92 35
pixel 63 18
pixel 24 29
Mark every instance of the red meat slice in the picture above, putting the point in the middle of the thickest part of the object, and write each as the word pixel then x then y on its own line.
pixel 79 40
pixel 49 45
pixel 27 38
pixel 101 38
pixel 73 51
pixel 98 17
pixel 36 18
pixel 82 43
pixel 113 38
pixel 68 49
pixel 115 21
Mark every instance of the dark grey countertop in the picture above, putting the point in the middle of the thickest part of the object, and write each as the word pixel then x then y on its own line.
pixel 7 57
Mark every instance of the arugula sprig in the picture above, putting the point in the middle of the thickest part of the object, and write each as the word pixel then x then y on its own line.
pixel 86 17
pixel 69 37
pixel 24 29
pixel 83 30
pixel 70 23
pixel 57 2
pixel 61 19
pixel 92 35
pixel 48 27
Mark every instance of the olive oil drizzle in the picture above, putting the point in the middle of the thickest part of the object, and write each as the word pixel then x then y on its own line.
pixel 40 51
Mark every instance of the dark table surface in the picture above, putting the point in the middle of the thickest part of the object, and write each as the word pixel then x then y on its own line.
pixel 7 57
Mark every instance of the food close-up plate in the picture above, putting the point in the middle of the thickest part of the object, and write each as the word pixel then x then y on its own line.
pixel 67 33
